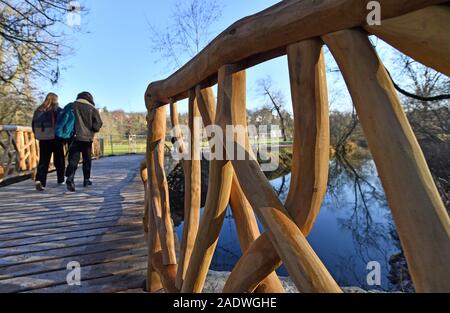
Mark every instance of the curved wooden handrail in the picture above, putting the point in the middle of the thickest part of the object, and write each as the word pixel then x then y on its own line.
pixel 256 38
pixel 15 128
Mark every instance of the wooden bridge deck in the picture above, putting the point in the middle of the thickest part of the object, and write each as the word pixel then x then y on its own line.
pixel 100 227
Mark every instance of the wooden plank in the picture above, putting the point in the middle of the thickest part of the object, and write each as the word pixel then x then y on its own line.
pixel 69 204
pixel 41 247
pixel 65 236
pixel 423 35
pixel 192 191
pixel 16 224
pixel 422 221
pixel 58 277
pixel 36 268
pixel 296 20
pixel 51 202
pixel 5 238
pixel 53 227
pixel 118 242
pixel 75 214
pixel 110 284
pixel 103 209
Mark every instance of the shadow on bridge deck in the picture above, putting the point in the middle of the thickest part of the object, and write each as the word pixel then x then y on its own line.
pixel 100 228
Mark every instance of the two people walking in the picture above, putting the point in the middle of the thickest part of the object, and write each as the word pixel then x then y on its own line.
pixel 76 125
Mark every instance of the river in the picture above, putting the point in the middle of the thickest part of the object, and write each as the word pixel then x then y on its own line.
pixel 354 227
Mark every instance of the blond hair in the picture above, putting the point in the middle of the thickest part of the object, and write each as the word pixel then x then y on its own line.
pixel 50 103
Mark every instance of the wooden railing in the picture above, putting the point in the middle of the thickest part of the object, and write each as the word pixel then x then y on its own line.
pixel 19 152
pixel 418 28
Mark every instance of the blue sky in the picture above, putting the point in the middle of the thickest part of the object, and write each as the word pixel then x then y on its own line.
pixel 113 54
pixel 113 57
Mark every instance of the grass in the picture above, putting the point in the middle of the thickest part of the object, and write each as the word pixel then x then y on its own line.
pixel 122 149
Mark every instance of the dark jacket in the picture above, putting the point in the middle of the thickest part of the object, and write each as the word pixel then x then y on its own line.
pixel 44 123
pixel 87 120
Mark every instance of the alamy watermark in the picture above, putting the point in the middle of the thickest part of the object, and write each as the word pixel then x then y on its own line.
pixel 73 278
pixel 237 143
pixel 74 14
pixel 374 16
pixel 374 276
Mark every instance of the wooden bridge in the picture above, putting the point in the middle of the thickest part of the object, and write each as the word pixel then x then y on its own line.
pixel 298 28
pixel 102 228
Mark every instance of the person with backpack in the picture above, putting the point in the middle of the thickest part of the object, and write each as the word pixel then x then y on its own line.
pixel 87 122
pixel 44 122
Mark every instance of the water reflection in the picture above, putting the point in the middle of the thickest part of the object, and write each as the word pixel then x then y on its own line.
pixel 353 228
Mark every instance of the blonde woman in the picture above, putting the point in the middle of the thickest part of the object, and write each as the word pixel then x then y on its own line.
pixel 44 123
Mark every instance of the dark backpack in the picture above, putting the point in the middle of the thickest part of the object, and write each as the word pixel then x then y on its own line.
pixel 44 125
pixel 65 127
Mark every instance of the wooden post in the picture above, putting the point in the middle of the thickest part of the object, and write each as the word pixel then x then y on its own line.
pixel 244 217
pixel 166 227
pixel 219 188
pixel 144 177
pixel 423 35
pixel 311 149
pixel 206 105
pixel 20 142
pixel 159 208
pixel 33 151
pixel 159 276
pixel 164 260
pixel 26 149
pixel 153 281
pixel 176 126
pixel 419 213
pixel 158 186
pixel 192 190
pixel 304 267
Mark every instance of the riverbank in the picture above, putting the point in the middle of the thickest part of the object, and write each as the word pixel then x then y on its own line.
pixel 215 282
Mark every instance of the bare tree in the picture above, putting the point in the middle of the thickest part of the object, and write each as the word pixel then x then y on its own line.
pixel 426 100
pixel 32 38
pixel 32 42
pixel 276 101
pixel 188 32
